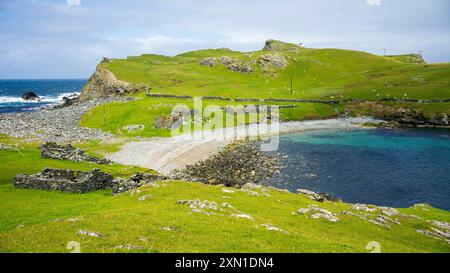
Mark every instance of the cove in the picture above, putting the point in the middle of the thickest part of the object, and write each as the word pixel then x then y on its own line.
pixel 397 168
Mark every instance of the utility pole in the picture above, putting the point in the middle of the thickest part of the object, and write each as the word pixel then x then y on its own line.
pixel 292 89
pixel 384 50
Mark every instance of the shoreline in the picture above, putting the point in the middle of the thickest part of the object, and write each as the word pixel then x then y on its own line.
pixel 168 154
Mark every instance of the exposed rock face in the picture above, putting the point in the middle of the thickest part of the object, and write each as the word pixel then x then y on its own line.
pixel 225 60
pixel 274 45
pixel 30 95
pixel 137 180
pixel 52 150
pixel 402 116
pixel 319 197
pixel 275 60
pixel 241 67
pixel 209 61
pixel 103 84
pixel 65 180
pixel 236 165
pixel 318 213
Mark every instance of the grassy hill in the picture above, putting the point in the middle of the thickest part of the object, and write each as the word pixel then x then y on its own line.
pixel 316 73
pixel 326 74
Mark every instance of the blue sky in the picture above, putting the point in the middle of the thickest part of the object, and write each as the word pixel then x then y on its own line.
pixel 52 39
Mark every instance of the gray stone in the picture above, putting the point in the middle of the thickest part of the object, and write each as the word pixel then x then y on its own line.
pixel 65 180
pixel 51 150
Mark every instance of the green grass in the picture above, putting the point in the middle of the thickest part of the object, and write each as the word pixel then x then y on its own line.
pixel 123 220
pixel 316 73
pixel 114 117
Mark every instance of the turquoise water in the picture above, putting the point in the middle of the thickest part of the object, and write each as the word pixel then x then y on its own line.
pixel 396 168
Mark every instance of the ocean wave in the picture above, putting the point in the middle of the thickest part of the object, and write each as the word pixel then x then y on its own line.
pixel 44 99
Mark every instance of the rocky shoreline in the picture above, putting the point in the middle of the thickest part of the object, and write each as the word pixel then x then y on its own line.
pixel 55 124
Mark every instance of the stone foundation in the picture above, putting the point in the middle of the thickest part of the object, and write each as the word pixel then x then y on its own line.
pixel 65 180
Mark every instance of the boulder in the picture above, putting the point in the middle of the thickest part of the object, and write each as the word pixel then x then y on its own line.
pixel 30 96
pixel 137 180
pixel 65 180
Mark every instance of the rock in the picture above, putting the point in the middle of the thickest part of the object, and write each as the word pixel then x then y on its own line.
pixel 441 224
pixel 209 61
pixel 169 228
pixel 245 216
pixel 121 185
pixel 104 84
pixel 51 150
pixel 225 60
pixel 134 128
pixel 129 247
pixel 65 180
pixel 275 60
pixel 145 197
pixel 320 197
pixel 363 207
pixel 272 228
pixel 240 67
pixel 389 211
pixel 6 147
pixel 274 45
pixel 232 166
pixel 30 96
pixel 90 233
pixel 319 213
pixel 227 190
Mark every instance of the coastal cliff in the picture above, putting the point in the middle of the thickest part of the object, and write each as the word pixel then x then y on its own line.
pixel 104 84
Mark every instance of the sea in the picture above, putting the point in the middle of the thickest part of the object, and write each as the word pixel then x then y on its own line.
pixel 50 91
pixel 397 168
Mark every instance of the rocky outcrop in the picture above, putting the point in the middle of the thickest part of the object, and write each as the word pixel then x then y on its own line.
pixel 402 116
pixel 65 180
pixel 274 45
pixel 319 197
pixel 237 164
pixel 232 64
pixel 104 84
pixel 30 95
pixel 168 122
pixel 51 150
pixel 209 61
pixel 275 60
pixel 137 180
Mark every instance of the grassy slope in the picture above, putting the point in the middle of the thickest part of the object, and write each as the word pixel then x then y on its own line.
pixel 317 73
pixel 113 117
pixel 27 219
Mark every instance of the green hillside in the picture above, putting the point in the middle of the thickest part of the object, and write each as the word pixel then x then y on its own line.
pixel 316 73
pixel 41 221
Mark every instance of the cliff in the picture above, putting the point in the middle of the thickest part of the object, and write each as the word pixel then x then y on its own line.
pixel 103 84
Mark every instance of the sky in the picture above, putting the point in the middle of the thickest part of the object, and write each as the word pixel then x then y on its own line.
pixel 67 38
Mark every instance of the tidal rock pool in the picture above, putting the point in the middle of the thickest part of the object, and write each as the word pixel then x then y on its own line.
pixel 396 168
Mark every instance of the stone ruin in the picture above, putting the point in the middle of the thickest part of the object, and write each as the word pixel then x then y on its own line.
pixel 137 180
pixel 65 180
pixel 51 150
